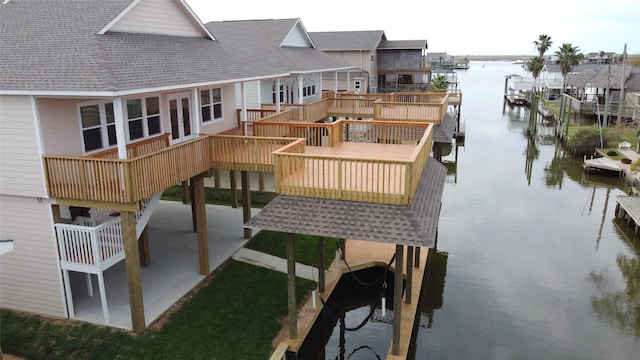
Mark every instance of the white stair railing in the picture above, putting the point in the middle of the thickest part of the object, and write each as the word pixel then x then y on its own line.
pixel 92 244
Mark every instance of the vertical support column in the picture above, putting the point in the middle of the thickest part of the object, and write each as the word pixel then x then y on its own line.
pixel 233 183
pixel 397 300
pixel 321 249
pixel 194 219
pixel 186 192
pixel 437 151
pixel 416 260
pixel 132 263
pixel 55 212
pixel 143 247
pixel 261 181
pixel 246 202
pixel 216 178
pixel 407 297
pixel 291 285
pixel 197 183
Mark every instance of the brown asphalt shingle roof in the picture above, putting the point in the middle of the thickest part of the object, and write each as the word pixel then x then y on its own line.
pixel 413 225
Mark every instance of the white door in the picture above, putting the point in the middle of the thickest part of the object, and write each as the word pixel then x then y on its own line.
pixel 180 114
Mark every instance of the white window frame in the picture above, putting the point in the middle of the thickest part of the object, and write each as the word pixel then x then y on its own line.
pixel 372 58
pixel 103 126
pixel 144 118
pixel 309 87
pixel 211 105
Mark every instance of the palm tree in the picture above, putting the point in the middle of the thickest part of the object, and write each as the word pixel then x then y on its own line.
pixel 601 56
pixel 568 56
pixel 534 66
pixel 543 44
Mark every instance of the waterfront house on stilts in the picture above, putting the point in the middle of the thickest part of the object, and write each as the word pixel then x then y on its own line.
pixel 91 139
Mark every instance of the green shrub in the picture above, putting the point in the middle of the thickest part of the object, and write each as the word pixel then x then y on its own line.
pixel 612 153
pixel 586 139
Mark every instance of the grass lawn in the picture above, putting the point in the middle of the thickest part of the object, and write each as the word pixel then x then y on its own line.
pixel 219 196
pixel 235 316
pixel 274 243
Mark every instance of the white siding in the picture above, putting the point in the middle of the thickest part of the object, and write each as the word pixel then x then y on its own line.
pixel 29 275
pixel 297 37
pixel 60 126
pixel 252 94
pixel 159 17
pixel 20 162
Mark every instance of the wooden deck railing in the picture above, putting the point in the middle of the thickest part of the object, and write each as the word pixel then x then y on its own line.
pixel 410 112
pixel 304 112
pixel 125 181
pixel 245 153
pixel 138 148
pixel 365 178
pixel 253 115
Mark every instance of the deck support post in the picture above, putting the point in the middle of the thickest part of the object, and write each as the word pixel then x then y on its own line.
pixel 437 151
pixel 233 183
pixel 132 263
pixel 55 212
pixel 194 220
pixel 143 247
pixel 246 202
pixel 186 193
pixel 321 278
pixel 216 178
pixel 397 300
pixel 261 181
pixel 416 260
pixel 197 184
pixel 407 298
pixel 343 248
pixel 291 285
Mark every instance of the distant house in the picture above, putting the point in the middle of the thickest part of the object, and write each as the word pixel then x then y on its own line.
pixel 382 66
pixel 599 89
pixel 88 86
pixel 599 58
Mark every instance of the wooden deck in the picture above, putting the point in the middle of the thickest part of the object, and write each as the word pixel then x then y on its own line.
pixel 362 255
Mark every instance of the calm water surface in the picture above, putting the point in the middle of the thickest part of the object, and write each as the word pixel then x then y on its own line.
pixel 530 263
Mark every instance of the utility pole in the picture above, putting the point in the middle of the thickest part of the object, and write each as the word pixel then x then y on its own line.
pixel 622 86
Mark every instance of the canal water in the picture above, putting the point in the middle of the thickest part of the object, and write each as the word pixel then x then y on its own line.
pixel 530 263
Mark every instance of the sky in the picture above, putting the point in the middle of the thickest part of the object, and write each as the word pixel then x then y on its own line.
pixel 490 27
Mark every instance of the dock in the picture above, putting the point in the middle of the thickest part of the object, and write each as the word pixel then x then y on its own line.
pixel 603 164
pixel 628 208
pixel 361 255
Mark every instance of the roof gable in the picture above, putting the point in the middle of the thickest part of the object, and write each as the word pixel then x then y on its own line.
pixel 298 37
pixel 159 17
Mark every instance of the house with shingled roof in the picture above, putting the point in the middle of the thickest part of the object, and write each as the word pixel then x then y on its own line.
pixel 382 65
pixel 103 105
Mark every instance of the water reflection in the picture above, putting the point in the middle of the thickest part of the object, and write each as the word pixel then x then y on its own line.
pixel 351 325
pixel 433 289
pixel 619 308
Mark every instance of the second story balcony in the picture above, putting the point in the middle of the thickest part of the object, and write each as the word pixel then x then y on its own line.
pixel 351 160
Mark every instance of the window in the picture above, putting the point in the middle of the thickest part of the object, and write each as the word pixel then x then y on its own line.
pixel 143 117
pixel 211 104
pixel 281 90
pixel 372 58
pixel 309 88
pixel 98 126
